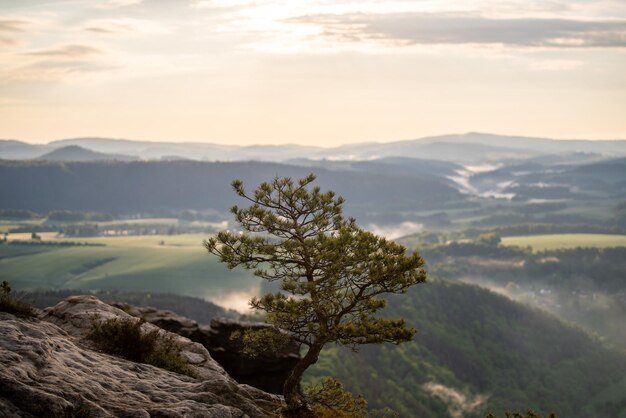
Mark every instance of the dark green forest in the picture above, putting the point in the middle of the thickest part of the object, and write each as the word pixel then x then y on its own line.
pixel 490 354
pixel 586 286
pixel 161 187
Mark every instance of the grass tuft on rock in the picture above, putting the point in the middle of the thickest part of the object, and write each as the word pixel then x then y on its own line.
pixel 12 305
pixel 124 337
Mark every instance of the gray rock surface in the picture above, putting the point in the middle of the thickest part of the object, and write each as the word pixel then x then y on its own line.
pixel 169 321
pixel 49 369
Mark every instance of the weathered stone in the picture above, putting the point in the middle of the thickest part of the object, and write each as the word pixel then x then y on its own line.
pixel 169 321
pixel 47 369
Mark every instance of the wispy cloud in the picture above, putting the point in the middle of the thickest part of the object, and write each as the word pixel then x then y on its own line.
pixel 113 4
pixel 427 28
pixel 4 41
pixel 66 51
pixel 122 26
pixel 56 63
pixel 55 70
pixel 10 27
pixel 13 25
pixel 556 65
pixel 109 29
pixel 210 4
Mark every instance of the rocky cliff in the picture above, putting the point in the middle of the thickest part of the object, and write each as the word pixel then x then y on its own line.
pixel 267 372
pixel 49 369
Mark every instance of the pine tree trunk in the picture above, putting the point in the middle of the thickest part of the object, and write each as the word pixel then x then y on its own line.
pixel 291 389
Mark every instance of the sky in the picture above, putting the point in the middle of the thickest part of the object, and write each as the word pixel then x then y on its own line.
pixel 311 72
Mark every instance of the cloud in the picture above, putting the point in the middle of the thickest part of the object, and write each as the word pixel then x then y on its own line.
pixel 109 29
pixel 49 70
pixel 209 4
pixel 58 63
pixel 556 65
pixel 122 26
pixel 13 25
pixel 114 4
pixel 427 28
pixel 8 28
pixel 67 51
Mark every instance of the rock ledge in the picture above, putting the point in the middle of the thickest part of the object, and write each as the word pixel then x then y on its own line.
pixel 48 368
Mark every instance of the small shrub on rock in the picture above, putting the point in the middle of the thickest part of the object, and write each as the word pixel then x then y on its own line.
pixel 124 337
pixel 165 355
pixel 12 305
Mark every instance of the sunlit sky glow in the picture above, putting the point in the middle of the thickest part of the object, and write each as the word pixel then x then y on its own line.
pixel 314 72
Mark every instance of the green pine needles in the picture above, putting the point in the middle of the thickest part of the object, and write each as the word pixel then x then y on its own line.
pixel 331 272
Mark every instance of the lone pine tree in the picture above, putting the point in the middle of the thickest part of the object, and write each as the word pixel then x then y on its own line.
pixel 330 272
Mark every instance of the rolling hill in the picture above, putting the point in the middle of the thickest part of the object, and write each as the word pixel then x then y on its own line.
pixel 18 150
pixel 417 168
pixel 160 187
pixel 78 153
pixel 466 148
pixel 478 352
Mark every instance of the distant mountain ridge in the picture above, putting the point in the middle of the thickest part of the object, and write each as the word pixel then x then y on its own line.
pixel 466 148
pixel 78 153
pixel 18 150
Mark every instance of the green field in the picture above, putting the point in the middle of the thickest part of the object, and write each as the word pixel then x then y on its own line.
pixel 176 264
pixel 156 263
pixel 556 241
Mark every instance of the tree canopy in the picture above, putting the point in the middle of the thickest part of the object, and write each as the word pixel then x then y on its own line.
pixel 331 272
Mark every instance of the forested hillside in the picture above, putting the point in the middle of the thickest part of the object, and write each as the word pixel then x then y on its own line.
pixel 478 352
pixel 586 286
pixel 159 187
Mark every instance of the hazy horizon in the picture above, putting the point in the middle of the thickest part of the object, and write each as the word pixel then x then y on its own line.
pixel 277 144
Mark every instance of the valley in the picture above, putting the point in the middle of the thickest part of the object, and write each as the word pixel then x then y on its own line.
pixel 524 241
